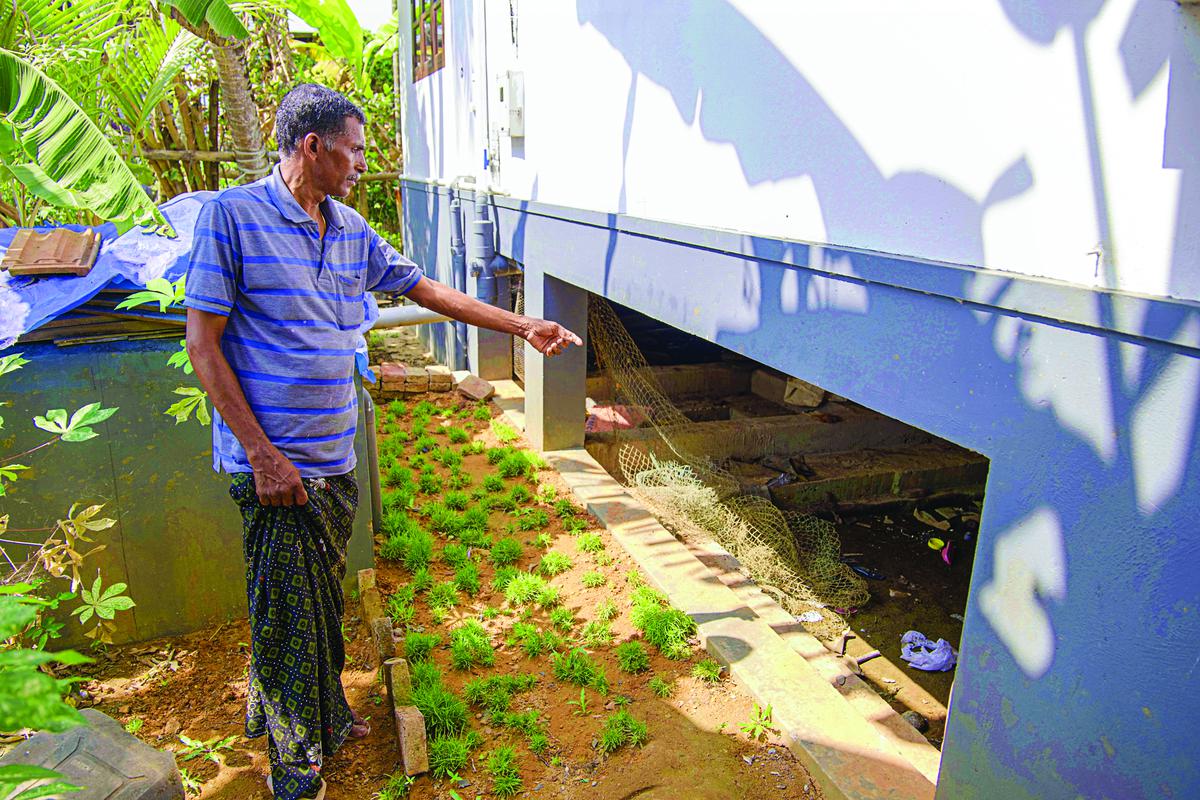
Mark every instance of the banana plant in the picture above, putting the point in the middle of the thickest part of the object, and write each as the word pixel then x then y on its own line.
pixel 59 154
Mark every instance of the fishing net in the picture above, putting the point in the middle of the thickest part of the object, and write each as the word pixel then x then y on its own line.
pixel 795 557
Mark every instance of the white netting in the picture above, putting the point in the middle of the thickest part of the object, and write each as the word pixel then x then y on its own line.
pixel 796 557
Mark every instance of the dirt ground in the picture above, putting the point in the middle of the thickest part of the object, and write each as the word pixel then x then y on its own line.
pixel 195 686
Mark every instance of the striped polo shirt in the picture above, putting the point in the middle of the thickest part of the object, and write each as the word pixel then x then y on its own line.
pixel 295 304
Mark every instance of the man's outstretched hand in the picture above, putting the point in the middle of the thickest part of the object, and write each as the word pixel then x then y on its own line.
pixel 549 338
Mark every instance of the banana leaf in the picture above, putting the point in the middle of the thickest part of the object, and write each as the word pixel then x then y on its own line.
pixel 217 14
pixel 52 147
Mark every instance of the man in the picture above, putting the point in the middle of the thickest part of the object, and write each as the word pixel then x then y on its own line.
pixel 275 302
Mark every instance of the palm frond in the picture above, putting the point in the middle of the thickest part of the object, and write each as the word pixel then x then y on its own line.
pixel 54 149
pixel 142 65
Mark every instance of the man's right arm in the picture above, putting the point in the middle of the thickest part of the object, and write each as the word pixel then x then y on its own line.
pixel 275 477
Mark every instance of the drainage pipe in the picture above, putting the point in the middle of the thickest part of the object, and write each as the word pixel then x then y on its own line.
pixel 485 261
pixel 458 267
pixel 399 316
pixel 372 460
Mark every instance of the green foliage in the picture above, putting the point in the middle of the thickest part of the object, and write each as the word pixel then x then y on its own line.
pixel 632 657
pixel 506 777
pixel 50 145
pixel 425 409
pixel 456 500
pixel 396 787
pixel 497 454
pixel 520 494
pixel 208 750
pixel 493 483
pixel 554 563
pixel 593 579
pixel 707 670
pixel 443 595
pixel 577 667
pixel 448 755
pixel 532 519
pixel 445 713
pixel 562 619
pixel 422 580
pixel 430 484
pixel 457 435
pixel 660 687
pixel 607 610
pixel 759 724
pixel 470 646
pixel 455 555
pixel 596 634
pixel 466 578
pixel 104 605
pixel 398 476
pixel 447 458
pixel 29 698
pixel 401 611
pixel 418 550
pixel 518 463
pixel 506 552
pixel 533 641
pixel 495 693
pixel 458 480
pixel 581 705
pixel 634 578
pixel 668 629
pixel 548 596
pixel 503 577
pixel 547 492
pixel 589 542
pixel 424 673
pixel 418 647
pixel 620 729
pixel 574 525
pixel 505 433
pixel 564 508
pixel 442 519
pixel 543 540
pixel 398 408
pixel 482 412
pixel 524 587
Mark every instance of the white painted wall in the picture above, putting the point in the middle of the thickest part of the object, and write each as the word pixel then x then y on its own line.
pixel 1047 137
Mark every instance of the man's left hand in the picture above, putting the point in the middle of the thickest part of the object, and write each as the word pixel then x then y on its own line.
pixel 549 338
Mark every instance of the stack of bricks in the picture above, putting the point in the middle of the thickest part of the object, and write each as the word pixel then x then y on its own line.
pixel 399 380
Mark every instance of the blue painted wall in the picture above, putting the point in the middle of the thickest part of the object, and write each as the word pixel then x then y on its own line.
pixel 1082 636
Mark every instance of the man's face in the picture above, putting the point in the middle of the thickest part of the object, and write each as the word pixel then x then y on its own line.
pixel 338 168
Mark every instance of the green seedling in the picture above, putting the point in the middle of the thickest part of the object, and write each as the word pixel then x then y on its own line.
pixel 443 595
pixel 532 519
pixel 581 705
pixel 191 784
pixel 430 484
pixel 460 480
pixel 543 540
pixel 574 525
pixel 210 749
pixel 668 629
pixel 607 610
pixel 494 694
pixel 448 755
pixel 589 542
pixel 493 483
pixel 596 634
pixel 455 555
pixel 505 433
pixel 457 435
pixel 660 687
pixel 564 508
pixel 554 563
pixel 759 724
pixel 524 587
pixel 457 500
pixel 401 611
pixel 134 725
pixel 622 729
pixel 577 667
pixel 418 647
pixel 470 646
pixel 422 580
pixel 562 619
pixel 506 552
pixel 445 713
pixel 502 766
pixel 466 578
pixel 593 579
pixel 634 578
pixel 632 657
pixel 503 577
pixel 520 494
pixel 707 670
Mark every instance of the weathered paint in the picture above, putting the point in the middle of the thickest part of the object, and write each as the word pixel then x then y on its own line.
pixel 177 542
pixel 1089 522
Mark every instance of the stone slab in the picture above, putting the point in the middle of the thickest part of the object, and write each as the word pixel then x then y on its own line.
pixel 397 682
pixel 372 605
pixel 391 377
pixel 849 757
pixel 385 643
pixel 410 731
pixel 475 388
pixel 440 379
pixel 110 763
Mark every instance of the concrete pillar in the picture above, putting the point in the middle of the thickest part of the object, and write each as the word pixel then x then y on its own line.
pixel 555 388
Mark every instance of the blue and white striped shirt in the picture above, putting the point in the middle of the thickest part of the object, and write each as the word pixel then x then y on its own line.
pixel 295 304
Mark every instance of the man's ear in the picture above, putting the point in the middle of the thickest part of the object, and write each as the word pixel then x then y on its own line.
pixel 312 144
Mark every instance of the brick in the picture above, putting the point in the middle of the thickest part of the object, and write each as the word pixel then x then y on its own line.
pixel 397 682
pixel 416 379
pixel 410 730
pixel 372 605
pixel 391 377
pixel 440 379
pixel 104 758
pixel 476 388
pixel 385 644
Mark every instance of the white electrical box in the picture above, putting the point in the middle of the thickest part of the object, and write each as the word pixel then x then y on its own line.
pixel 516 104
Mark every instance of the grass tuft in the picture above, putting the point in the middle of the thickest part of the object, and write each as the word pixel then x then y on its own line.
pixel 632 657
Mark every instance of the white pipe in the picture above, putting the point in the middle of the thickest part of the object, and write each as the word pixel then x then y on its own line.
pixel 399 316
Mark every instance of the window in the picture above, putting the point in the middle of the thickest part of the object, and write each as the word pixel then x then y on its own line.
pixel 428 38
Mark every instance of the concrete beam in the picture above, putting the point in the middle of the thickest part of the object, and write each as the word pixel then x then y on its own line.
pixel 715 379
pixel 748 439
pixel 874 475
pixel 555 388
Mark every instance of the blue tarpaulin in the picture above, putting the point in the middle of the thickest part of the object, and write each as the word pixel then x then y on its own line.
pixel 125 262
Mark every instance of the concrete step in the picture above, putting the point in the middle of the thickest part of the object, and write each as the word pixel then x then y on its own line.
pixel 877 474
pixel 851 757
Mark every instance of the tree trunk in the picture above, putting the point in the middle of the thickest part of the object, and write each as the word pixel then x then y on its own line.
pixel 241 114
pixel 281 50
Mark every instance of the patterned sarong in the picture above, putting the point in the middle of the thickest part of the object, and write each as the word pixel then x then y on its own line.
pixel 295 562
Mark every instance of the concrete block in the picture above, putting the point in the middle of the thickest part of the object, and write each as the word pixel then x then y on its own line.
pixel 410 730
pixel 458 376
pixel 385 644
pixel 476 388
pixel 397 682
pixel 391 377
pixel 103 758
pixel 366 579
pixel 372 605
pixel 778 388
pixel 440 379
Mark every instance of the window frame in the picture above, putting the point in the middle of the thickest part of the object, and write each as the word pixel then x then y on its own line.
pixel 428 37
